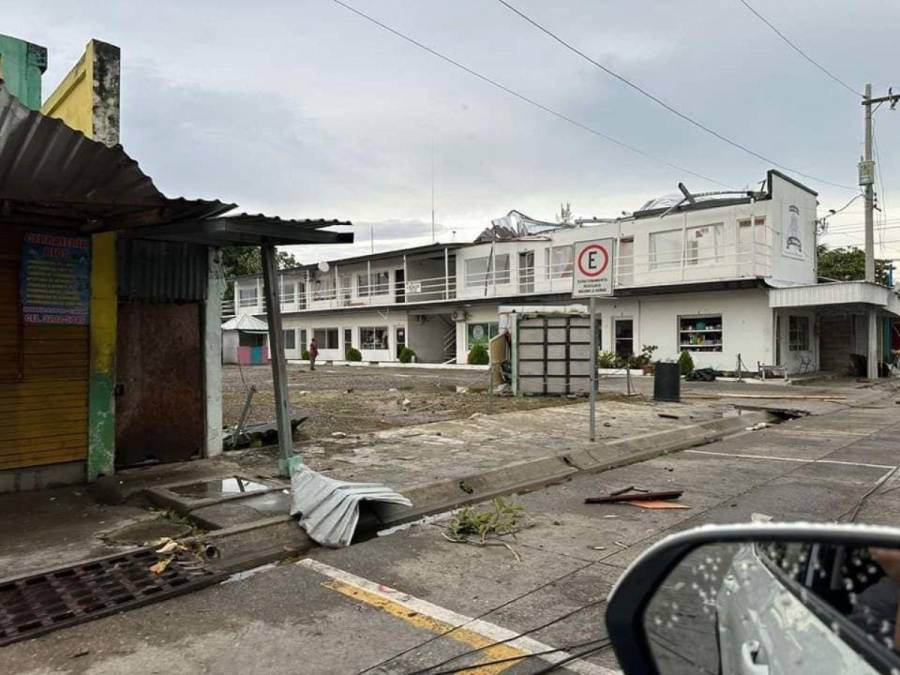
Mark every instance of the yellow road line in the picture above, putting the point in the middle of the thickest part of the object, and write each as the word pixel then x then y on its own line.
pixel 491 651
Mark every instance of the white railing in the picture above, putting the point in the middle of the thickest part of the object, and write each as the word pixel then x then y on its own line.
pixel 723 262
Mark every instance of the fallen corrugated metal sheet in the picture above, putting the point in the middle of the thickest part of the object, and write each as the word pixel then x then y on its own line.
pixel 162 271
pixel 50 171
pixel 329 508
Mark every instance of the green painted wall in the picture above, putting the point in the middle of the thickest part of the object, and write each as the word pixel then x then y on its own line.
pixel 21 66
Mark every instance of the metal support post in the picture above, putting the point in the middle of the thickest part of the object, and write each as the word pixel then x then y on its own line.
pixel 279 364
pixel 627 379
pixel 446 274
pixel 592 311
pixel 491 387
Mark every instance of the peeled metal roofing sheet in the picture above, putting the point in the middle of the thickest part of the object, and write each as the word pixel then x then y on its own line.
pixel 47 167
pixel 329 508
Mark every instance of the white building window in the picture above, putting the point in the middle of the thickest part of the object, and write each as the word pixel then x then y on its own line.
pixel 700 333
pixel 288 292
pixel 379 283
pixel 665 249
pixel 373 338
pixel 481 333
pixel 703 244
pixel 326 338
pixel 487 271
pixel 798 333
pixel 290 339
pixel 559 262
pixel 323 288
pixel 248 297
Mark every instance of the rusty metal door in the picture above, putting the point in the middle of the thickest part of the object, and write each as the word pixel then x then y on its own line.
pixel 159 395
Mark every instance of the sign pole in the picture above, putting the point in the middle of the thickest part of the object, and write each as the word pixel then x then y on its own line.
pixel 592 305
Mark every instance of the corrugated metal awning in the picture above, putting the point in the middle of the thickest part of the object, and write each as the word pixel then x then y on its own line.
pixel 51 174
pixel 249 230
pixel 835 293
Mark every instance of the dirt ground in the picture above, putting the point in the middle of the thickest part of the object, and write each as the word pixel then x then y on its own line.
pixel 362 399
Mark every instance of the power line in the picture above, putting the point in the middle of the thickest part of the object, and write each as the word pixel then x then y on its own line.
pixel 658 101
pixel 526 99
pixel 800 51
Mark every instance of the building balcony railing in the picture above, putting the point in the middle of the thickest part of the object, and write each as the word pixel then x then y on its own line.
pixel 658 268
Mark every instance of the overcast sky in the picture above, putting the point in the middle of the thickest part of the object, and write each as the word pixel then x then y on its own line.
pixel 304 109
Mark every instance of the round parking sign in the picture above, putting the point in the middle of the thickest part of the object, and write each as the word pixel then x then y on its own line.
pixel 593 260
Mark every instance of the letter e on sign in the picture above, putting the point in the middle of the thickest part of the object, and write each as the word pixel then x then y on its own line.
pixel 593 268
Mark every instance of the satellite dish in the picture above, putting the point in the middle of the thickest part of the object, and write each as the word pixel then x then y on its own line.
pixel 324 266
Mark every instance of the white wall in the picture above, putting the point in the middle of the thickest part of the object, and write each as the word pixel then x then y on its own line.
pixel 796 268
pixel 794 360
pixel 353 320
pixel 426 337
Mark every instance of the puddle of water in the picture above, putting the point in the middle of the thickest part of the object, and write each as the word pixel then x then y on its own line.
pixel 462 389
pixel 223 487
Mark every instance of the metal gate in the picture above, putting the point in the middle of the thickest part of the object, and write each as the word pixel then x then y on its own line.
pixel 553 354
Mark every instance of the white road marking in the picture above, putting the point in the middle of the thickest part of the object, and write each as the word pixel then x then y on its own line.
pixel 484 628
pixel 797 460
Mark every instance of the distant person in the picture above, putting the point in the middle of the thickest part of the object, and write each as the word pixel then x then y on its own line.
pixel 313 353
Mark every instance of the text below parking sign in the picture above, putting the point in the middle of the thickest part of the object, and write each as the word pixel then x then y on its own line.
pixel 593 268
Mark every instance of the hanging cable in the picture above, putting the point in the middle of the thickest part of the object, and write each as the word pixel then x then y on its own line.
pixel 800 51
pixel 522 97
pixel 658 101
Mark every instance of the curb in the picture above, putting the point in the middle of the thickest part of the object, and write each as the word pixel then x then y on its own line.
pixel 263 541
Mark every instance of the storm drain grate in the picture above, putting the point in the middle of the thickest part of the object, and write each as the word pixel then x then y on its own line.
pixel 37 604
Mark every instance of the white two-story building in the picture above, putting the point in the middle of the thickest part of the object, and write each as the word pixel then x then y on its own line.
pixel 717 275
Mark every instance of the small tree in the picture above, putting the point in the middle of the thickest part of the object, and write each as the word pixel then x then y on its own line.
pixel 353 354
pixel 478 355
pixel 848 264
pixel 406 355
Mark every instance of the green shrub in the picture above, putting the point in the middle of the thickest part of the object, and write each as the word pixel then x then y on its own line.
pixel 606 360
pixel 304 355
pixel 478 355
pixel 685 363
pixel 352 354
pixel 644 358
pixel 406 355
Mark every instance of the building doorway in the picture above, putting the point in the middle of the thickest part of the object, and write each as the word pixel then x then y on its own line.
pixel 526 272
pixel 400 285
pixel 399 339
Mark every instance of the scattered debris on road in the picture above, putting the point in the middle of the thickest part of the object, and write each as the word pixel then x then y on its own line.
pixel 486 528
pixel 757 427
pixel 635 496
pixel 669 416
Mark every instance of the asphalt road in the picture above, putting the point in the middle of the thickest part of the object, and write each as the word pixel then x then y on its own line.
pixel 395 604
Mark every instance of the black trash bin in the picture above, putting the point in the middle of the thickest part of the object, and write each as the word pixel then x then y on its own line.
pixel 667 382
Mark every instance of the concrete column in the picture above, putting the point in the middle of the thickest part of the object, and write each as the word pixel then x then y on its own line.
pixel 103 332
pixel 872 352
pixel 212 352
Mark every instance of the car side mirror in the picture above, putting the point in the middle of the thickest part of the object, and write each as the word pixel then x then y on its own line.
pixel 761 599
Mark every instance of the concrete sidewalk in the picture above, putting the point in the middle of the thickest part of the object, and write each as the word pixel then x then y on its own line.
pixel 441 466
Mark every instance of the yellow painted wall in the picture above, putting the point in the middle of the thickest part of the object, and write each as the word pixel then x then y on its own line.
pixel 73 100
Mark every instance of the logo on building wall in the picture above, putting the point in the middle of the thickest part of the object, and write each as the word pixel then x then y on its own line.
pixel 792 237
